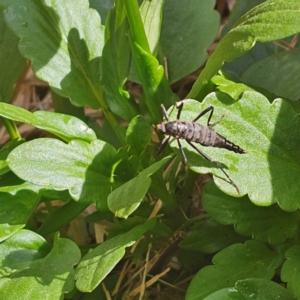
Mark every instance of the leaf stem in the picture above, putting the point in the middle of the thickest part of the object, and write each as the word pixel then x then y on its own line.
pixel 11 128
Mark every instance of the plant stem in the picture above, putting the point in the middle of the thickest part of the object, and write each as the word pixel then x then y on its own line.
pixel 11 128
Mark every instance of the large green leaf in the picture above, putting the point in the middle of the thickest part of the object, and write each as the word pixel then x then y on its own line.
pixel 272 20
pixel 239 261
pixel 253 288
pixel 95 266
pixel 278 73
pixel 188 29
pixel 64 41
pixel 270 170
pixel 64 126
pixel 11 62
pixel 82 168
pixel 290 272
pixel 268 224
pixel 46 278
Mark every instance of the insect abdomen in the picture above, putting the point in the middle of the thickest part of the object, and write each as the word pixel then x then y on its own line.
pixel 197 133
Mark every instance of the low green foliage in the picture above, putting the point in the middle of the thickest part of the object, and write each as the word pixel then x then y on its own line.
pixel 245 245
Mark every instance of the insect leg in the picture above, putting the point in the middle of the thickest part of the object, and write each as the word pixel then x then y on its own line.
pixel 216 163
pixel 164 112
pixel 206 110
pixel 211 109
pixel 182 152
pixel 163 144
pixel 179 107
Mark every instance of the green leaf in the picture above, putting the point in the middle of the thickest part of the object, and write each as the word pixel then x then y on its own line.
pixel 11 62
pixel 238 261
pixel 126 199
pixel 277 73
pixel 233 89
pixel 290 271
pixel 99 262
pixel 20 250
pixel 268 132
pixel 188 29
pixel 210 237
pixel 239 9
pixel 65 49
pixel 138 135
pixel 151 13
pixel 64 126
pixel 253 288
pixel 61 217
pixel 115 64
pixel 270 21
pixel 82 168
pixel 271 225
pixel 155 84
pixel 46 278
pixel 15 210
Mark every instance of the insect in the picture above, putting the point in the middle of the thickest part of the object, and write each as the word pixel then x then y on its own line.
pixel 193 132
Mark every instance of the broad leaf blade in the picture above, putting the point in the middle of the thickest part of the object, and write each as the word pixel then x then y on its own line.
pixel 46 278
pixel 261 289
pixel 188 29
pixel 268 132
pixel 21 249
pixel 278 73
pixel 82 168
pixel 64 41
pixel 270 21
pixel 272 225
pixel 239 261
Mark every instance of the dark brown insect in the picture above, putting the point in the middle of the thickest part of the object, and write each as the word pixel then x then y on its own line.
pixel 197 133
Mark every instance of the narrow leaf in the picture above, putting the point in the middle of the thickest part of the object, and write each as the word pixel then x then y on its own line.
pixel 64 126
pixel 98 263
